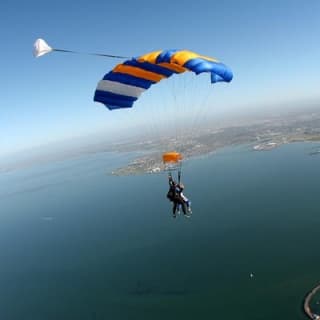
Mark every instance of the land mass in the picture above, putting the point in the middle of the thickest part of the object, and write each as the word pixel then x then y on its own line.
pixel 260 135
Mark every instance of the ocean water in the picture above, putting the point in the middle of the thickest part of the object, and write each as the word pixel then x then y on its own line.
pixel 78 243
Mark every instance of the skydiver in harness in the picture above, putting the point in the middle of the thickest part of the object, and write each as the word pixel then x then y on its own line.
pixel 175 194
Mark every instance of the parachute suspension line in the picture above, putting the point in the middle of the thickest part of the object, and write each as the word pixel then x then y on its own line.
pixel 192 89
pixel 154 130
pixel 166 110
pixel 157 127
pixel 170 108
pixel 179 172
pixel 194 108
pixel 183 110
pixel 181 97
pixel 92 54
pixel 161 130
pixel 174 111
pixel 186 108
pixel 201 111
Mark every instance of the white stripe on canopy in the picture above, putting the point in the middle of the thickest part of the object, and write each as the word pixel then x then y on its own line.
pixel 120 88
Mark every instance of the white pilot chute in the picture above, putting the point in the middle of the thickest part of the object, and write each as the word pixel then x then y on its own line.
pixel 41 48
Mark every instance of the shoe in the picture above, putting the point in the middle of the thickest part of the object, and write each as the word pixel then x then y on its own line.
pixel 187 215
pixel 189 210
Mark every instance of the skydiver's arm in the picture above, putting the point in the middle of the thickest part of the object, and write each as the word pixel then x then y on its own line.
pixel 183 197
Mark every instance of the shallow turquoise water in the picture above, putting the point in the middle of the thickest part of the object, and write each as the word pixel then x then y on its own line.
pixel 76 243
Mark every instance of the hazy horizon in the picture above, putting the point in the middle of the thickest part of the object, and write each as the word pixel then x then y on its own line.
pixel 103 142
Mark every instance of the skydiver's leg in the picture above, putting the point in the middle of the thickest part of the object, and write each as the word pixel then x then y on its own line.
pixel 174 208
pixel 184 208
pixel 188 203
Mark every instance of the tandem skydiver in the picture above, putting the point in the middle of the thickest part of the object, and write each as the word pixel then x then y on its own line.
pixel 175 194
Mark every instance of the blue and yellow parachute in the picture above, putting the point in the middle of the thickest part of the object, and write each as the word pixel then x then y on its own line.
pixel 122 86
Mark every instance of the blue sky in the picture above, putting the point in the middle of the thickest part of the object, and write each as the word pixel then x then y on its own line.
pixel 271 46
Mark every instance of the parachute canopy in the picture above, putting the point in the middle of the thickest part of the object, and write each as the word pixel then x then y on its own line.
pixel 171 157
pixel 122 86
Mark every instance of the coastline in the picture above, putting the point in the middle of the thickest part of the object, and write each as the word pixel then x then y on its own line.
pixel 152 164
pixel 306 303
